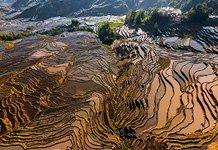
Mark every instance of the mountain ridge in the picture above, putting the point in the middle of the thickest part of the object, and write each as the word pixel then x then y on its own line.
pixel 44 9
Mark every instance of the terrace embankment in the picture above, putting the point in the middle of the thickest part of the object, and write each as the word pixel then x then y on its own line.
pixel 71 92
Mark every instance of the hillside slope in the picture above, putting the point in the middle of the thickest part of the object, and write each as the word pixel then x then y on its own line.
pixel 44 9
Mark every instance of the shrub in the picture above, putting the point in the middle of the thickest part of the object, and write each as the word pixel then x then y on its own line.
pixel 199 13
pixel 145 19
pixel 106 34
pixel 155 28
pixel 13 36
pixel 130 18
pixel 75 23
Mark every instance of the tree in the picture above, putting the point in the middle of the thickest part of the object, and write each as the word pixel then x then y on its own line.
pixel 130 18
pixel 106 34
pixel 155 28
pixel 139 16
pixel 199 13
pixel 156 16
pixel 75 23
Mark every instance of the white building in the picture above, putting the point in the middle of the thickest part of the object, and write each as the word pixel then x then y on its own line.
pixel 175 14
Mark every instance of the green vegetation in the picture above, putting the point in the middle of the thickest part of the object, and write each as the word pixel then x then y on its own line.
pixel 80 28
pixel 90 20
pixel 130 18
pixel 147 20
pixel 197 14
pixel 8 45
pixel 54 31
pixel 187 5
pixel 106 34
pixel 30 28
pixel 74 23
pixel 154 16
pixel 155 22
pixel 44 36
pixel 155 29
pixel 59 30
pixel 68 23
pixel 144 18
pixel 111 24
pixel 14 36
pixel 74 26
pixel 184 5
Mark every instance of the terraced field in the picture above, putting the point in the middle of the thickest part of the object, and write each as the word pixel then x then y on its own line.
pixel 203 41
pixel 71 92
pixel 53 93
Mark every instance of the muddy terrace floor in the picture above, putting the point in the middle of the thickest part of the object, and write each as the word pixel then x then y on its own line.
pixel 72 92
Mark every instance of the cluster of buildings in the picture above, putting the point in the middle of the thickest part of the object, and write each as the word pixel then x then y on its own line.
pixel 175 14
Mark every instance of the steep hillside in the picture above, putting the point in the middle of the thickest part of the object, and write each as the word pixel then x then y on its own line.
pixel 188 4
pixel 185 5
pixel 5 6
pixel 7 1
pixel 44 9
